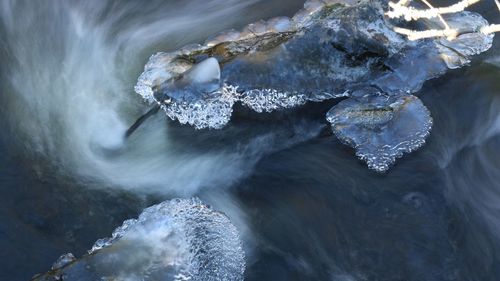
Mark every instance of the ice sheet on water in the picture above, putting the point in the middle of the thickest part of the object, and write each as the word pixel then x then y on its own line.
pixel 182 239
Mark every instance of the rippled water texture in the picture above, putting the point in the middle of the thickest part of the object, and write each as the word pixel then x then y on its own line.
pixel 304 206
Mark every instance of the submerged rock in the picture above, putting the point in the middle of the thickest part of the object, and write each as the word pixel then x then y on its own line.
pixel 330 49
pixel 175 240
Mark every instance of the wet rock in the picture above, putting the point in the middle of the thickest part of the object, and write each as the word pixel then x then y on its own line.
pixel 329 49
pixel 175 240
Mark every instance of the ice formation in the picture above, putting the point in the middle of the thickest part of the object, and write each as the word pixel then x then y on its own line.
pixel 329 49
pixel 176 240
pixel 381 128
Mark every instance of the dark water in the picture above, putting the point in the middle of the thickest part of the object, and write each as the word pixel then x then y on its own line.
pixel 306 208
pixel 321 216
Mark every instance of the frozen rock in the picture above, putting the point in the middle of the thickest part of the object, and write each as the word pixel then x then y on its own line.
pixel 196 97
pixel 329 49
pixel 457 52
pixel 175 240
pixel 381 128
pixel 200 82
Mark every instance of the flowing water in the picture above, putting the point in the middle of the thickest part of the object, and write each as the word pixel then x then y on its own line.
pixel 305 207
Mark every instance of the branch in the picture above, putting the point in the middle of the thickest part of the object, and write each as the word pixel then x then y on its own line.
pixel 401 9
pixel 410 13
pixel 431 33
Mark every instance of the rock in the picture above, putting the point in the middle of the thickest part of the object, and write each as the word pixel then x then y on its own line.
pixel 177 240
pixel 329 49
pixel 381 128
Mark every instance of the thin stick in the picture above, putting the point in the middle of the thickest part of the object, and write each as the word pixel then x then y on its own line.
pixel 410 13
pixel 431 33
pixel 141 120
pixel 492 28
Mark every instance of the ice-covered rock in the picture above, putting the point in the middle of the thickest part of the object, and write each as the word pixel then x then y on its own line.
pixel 200 81
pixel 329 49
pixel 380 127
pixel 457 52
pixel 175 240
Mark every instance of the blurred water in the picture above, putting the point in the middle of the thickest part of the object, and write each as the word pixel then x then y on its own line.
pixel 307 209
pixel 71 67
pixel 321 216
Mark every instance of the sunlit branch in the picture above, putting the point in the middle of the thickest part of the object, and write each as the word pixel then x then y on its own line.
pixel 410 13
pixel 401 9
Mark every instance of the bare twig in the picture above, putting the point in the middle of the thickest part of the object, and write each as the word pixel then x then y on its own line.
pixel 446 26
pixel 431 33
pixel 410 13
pixel 401 9
pixel 492 28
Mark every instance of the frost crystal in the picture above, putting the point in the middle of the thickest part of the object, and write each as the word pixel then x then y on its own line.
pixel 204 113
pixel 269 100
